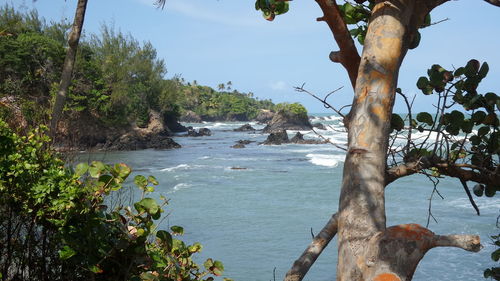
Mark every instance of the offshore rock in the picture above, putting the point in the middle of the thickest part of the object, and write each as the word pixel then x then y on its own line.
pixel 319 126
pixel 264 116
pixel 244 128
pixel 288 121
pixel 277 137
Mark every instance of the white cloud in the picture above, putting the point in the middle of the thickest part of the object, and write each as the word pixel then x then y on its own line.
pixel 278 85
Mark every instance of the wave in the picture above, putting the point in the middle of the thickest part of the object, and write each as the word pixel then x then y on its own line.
pixel 181 166
pixel 326 118
pixel 180 186
pixel 326 160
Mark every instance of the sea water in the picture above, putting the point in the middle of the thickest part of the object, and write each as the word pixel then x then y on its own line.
pixel 256 208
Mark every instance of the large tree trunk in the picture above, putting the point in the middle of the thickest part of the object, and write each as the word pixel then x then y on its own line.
pixel 368 250
pixel 69 63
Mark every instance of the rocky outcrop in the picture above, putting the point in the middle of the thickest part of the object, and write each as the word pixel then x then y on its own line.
pixel 277 137
pixel 190 117
pixel 299 138
pixel 319 126
pixel 135 141
pixel 242 143
pixel 200 133
pixel 264 116
pixel 281 137
pixel 288 121
pixel 245 128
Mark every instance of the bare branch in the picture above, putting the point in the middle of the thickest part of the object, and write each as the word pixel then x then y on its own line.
pixel 302 265
pixel 323 101
pixel 471 200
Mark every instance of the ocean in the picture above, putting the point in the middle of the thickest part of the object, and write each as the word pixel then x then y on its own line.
pixel 255 208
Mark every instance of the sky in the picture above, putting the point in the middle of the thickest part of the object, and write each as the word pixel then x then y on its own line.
pixel 216 41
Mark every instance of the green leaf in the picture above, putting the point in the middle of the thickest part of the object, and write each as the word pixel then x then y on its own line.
pixel 166 238
pixel 483 71
pixel 195 248
pixel 422 82
pixel 177 230
pixel 478 117
pixel 397 122
pixel 471 68
pixel 425 117
pixel 460 71
pixel 95 269
pixel 122 170
pixel 483 131
pixel 475 140
pixel 66 252
pixel 467 126
pixel 208 264
pixel 81 169
pixel 147 204
pixel 96 168
pixel 415 41
pixel 141 181
pixel 490 191
pixel 478 190
pixel 456 117
pixel 153 180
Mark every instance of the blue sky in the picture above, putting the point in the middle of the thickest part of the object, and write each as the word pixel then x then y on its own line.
pixel 215 41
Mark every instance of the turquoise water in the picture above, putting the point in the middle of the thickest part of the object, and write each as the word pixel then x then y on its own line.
pixel 260 217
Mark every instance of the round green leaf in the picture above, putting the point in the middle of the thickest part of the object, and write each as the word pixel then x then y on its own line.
pixel 478 190
pixel 177 230
pixel 81 169
pixel 422 82
pixel 425 117
pixel 397 122
pixel 141 181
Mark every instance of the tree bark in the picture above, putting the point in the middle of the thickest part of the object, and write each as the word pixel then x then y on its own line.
pixel 68 66
pixel 362 203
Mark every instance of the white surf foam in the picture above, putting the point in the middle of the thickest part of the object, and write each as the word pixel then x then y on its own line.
pixel 326 160
pixel 170 169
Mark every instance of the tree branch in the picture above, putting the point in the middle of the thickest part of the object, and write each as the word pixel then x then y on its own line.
pixel 471 243
pixel 460 171
pixel 302 265
pixel 494 2
pixel 348 55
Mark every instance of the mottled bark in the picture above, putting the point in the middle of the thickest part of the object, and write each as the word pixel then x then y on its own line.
pixel 68 66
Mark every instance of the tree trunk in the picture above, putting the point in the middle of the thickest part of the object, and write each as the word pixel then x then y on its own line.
pixel 69 63
pixel 362 203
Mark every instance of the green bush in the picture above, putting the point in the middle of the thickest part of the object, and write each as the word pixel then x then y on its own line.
pixel 292 109
pixel 55 224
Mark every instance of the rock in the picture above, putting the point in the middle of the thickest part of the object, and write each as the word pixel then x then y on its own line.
pixel 242 143
pixel 244 128
pixel 288 121
pixel 277 137
pixel 190 117
pixel 204 132
pixel 201 132
pixel 299 139
pixel 264 116
pixel 173 124
pixel 237 117
pixel 319 126
pixel 238 145
pixel 134 141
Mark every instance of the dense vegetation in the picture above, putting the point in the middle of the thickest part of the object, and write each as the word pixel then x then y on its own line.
pixel 55 223
pixel 117 80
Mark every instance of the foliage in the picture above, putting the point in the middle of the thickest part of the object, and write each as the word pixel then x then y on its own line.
pixel 494 272
pixel 220 105
pixel 57 215
pixel 292 109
